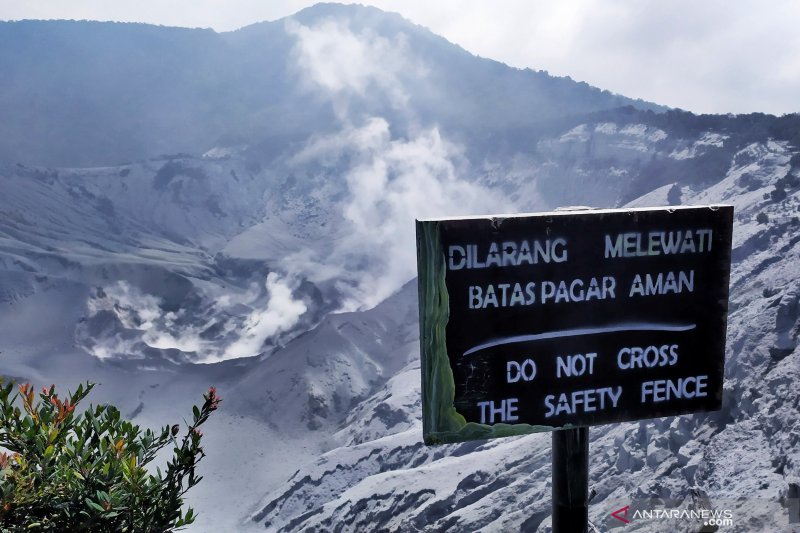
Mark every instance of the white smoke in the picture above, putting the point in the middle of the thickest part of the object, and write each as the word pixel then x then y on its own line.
pixel 390 182
pixel 391 179
pixel 344 64
pixel 385 178
pixel 144 322
pixel 282 312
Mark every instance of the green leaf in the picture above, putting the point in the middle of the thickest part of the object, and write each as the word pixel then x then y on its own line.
pixel 94 505
pixel 97 451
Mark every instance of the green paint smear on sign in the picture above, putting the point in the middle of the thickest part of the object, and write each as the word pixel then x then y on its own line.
pixel 441 423
pixel 438 388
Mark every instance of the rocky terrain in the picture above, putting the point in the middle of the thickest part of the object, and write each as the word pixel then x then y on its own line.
pixel 742 458
pixel 272 255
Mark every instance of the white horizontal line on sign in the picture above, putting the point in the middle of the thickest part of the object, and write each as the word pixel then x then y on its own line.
pixel 571 212
pixel 580 332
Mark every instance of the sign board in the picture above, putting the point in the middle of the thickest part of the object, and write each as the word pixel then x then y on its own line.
pixel 573 318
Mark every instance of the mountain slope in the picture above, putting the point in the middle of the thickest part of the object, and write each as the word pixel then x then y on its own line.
pixel 743 458
pixel 111 93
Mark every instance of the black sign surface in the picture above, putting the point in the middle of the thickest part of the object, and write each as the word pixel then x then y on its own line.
pixel 536 322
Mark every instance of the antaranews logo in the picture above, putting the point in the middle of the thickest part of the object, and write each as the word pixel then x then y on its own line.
pixel 709 517
pixel 621 514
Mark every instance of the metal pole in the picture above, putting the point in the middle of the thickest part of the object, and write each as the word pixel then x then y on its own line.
pixel 571 480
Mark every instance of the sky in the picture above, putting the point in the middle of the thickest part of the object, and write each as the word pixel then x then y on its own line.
pixel 713 56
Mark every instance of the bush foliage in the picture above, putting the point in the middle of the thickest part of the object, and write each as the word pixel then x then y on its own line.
pixel 87 471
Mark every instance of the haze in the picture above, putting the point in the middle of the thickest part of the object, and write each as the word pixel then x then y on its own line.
pixel 709 57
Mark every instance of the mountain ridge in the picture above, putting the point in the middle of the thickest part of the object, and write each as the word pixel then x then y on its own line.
pixel 130 91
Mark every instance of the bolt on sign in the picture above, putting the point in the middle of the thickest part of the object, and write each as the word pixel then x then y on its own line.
pixel 573 318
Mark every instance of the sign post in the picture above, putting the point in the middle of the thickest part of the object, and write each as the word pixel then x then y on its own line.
pixel 571 480
pixel 569 319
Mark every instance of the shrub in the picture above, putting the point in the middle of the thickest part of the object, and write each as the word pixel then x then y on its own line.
pixel 778 194
pixel 789 181
pixel 87 471
pixel 762 218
